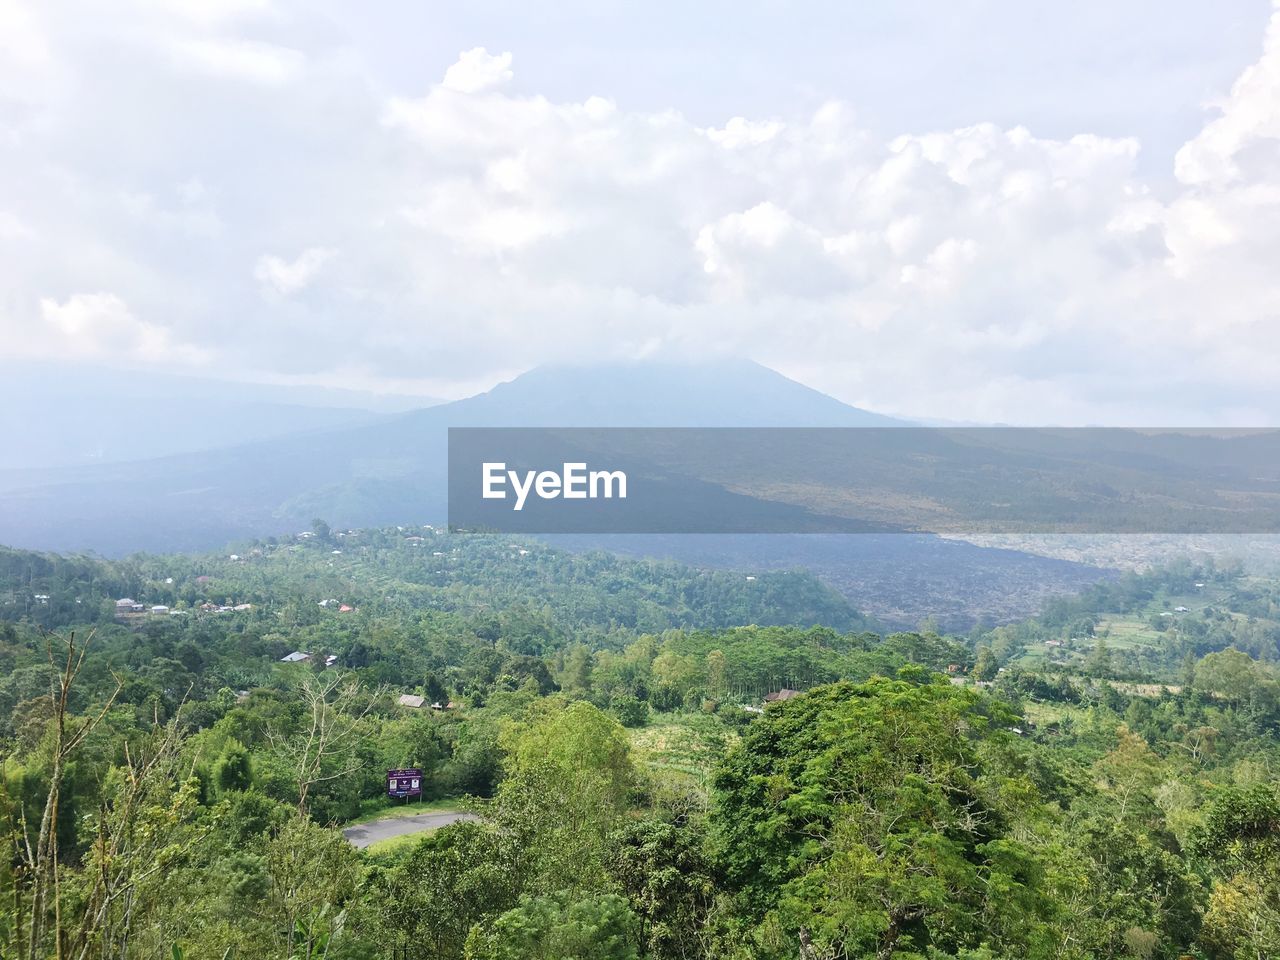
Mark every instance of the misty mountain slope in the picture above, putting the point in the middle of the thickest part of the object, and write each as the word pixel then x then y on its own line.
pixel 388 470
pixel 63 416
pixel 730 393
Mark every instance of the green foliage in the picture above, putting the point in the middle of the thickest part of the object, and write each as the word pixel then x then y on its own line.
pixel 556 928
pixel 861 814
pixel 451 881
pixel 630 710
pixel 987 666
pixel 636 798
pixel 569 782
pixel 661 868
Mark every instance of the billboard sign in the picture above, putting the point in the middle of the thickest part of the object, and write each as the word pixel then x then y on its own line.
pixel 404 783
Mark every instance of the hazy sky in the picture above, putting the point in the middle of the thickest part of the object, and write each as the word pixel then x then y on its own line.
pixel 1001 211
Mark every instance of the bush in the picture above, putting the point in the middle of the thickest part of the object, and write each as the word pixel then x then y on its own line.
pixel 631 711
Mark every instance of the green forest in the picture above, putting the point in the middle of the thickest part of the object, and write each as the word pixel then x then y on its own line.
pixel 645 760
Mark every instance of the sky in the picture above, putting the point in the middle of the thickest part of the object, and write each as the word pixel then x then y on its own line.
pixel 1010 211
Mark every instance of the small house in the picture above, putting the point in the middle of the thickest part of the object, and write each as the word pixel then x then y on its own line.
pixel 298 656
pixel 779 695
pixel 411 700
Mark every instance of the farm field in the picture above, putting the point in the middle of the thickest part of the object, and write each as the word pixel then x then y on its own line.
pixel 684 743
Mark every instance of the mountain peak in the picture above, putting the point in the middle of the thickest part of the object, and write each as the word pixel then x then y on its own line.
pixel 658 393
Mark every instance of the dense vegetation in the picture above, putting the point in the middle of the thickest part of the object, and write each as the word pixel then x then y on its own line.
pixel 171 789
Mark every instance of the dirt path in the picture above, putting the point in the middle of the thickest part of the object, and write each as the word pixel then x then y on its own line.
pixel 363 834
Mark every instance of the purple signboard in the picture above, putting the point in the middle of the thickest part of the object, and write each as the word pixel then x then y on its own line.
pixel 404 783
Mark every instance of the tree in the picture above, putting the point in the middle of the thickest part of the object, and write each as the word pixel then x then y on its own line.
pixel 717 673
pixel 146 829
pixel 986 666
pixel 1240 842
pixel 569 779
pixel 41 863
pixel 314 876
pixel 323 747
pixel 1235 676
pixel 1099 662
pixel 630 711
pixel 450 881
pixel 556 927
pixel 232 771
pixel 1130 770
pixel 1120 887
pixel 857 821
pixel 660 867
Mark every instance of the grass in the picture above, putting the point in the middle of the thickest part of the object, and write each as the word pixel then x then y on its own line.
pixel 1125 633
pixel 394 845
pixel 1045 713
pixel 381 808
pixel 684 743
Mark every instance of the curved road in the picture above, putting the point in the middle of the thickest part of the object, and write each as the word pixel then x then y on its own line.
pixel 364 834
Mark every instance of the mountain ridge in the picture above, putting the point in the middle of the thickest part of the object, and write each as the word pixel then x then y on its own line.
pixel 389 469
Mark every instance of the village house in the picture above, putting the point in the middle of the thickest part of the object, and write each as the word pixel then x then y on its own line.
pixel 298 656
pixel 411 700
pixel 779 695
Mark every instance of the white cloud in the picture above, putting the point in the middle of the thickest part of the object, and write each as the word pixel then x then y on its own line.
pixel 287 277
pixel 253 61
pixel 101 326
pixel 982 272
pixel 477 71
pixel 1249 117
pixel 740 132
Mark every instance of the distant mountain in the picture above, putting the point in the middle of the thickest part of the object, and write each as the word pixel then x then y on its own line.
pixel 391 469
pixel 382 470
pixel 54 415
pixel 731 393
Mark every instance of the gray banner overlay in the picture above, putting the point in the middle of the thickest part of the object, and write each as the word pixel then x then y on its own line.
pixel 864 480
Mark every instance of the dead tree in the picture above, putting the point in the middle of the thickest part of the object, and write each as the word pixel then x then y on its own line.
pixel 40 863
pixel 323 748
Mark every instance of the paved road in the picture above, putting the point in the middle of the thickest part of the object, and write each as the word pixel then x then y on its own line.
pixel 366 833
